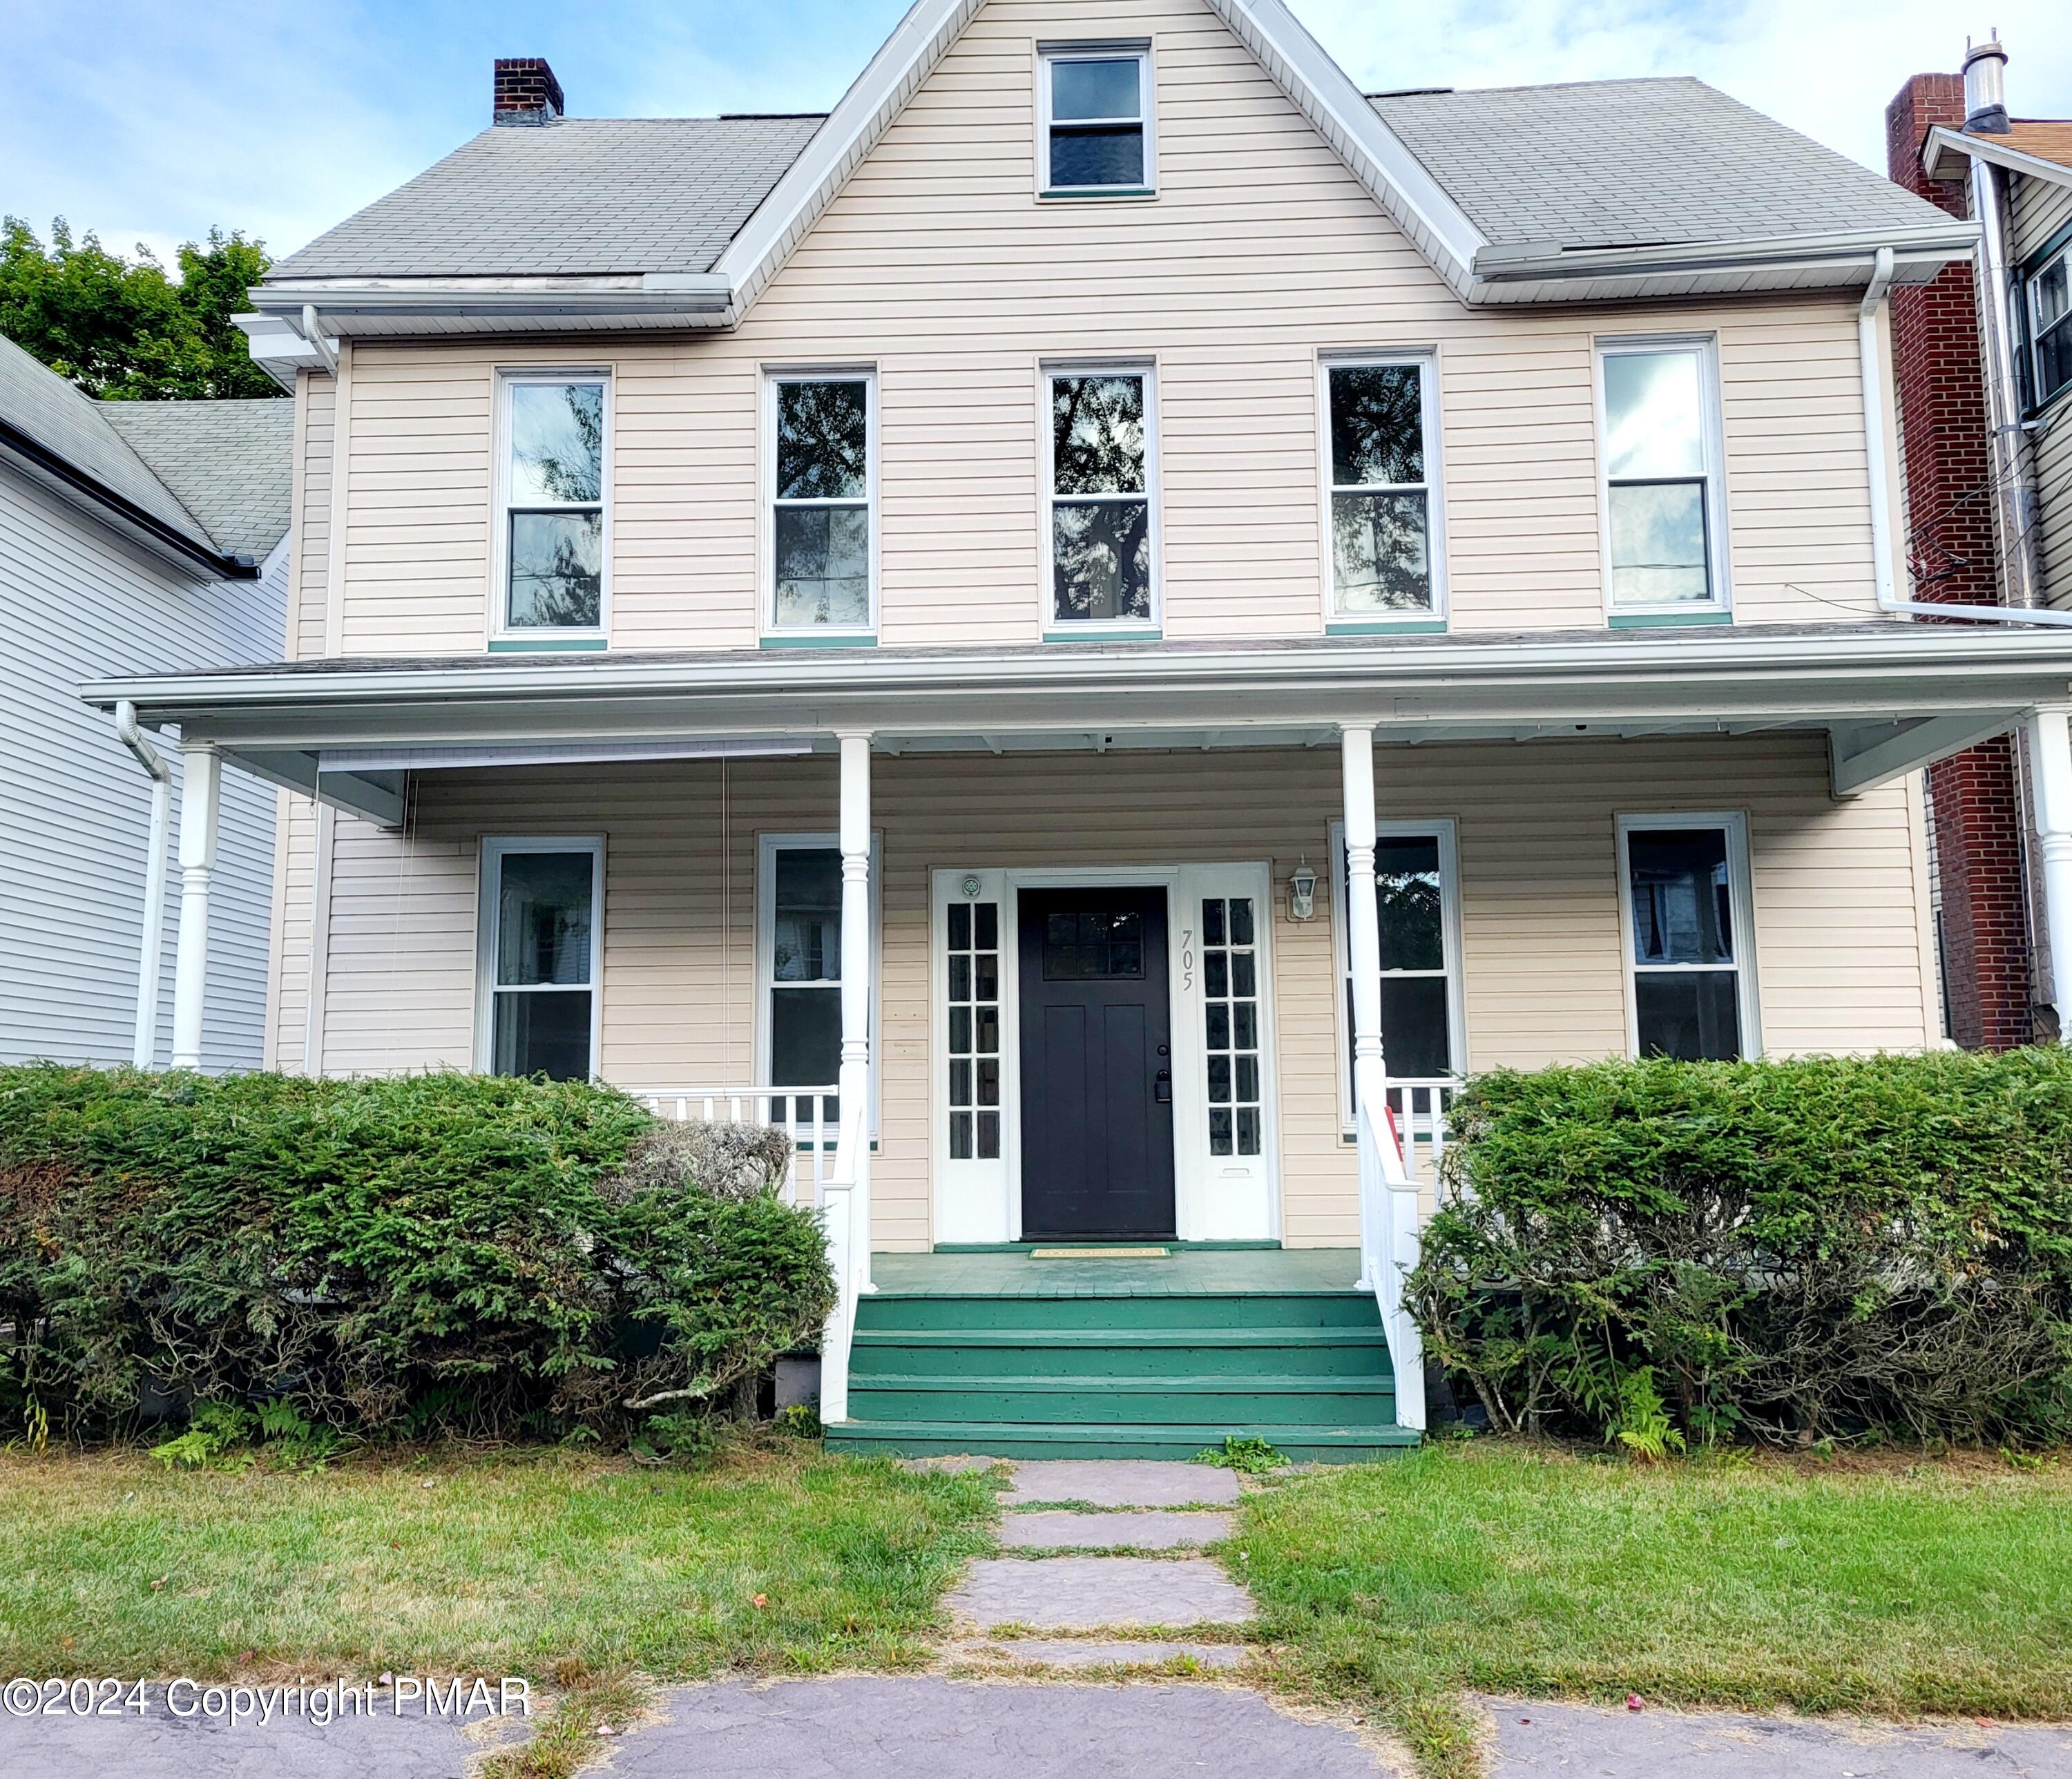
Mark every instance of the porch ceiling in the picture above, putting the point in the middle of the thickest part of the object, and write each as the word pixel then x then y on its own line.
pixel 1892 696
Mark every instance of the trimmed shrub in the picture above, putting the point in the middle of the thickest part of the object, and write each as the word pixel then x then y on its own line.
pixel 387 1256
pixel 1658 1252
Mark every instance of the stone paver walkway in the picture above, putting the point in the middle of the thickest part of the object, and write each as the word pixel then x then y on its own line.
pixel 1125 1509
pixel 1577 1742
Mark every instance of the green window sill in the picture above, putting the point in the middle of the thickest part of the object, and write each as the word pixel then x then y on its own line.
pixel 1668 620
pixel 1092 635
pixel 807 640
pixel 547 645
pixel 1068 193
pixel 1386 626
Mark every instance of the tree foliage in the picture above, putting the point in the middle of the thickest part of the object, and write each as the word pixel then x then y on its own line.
pixel 127 330
pixel 1661 1252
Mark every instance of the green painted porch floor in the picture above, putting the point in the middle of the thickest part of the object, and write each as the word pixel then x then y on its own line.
pixel 1184 1272
pixel 1011 1356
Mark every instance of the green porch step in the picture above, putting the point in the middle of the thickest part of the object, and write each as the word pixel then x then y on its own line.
pixel 1307 1445
pixel 1120 1353
pixel 1143 1401
pixel 884 1311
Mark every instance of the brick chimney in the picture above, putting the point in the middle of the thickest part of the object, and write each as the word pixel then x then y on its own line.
pixel 1975 796
pixel 527 92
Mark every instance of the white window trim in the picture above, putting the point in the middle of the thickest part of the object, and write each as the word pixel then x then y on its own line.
pixel 1426 358
pixel 489 881
pixel 1713 431
pixel 1446 830
pixel 1055 628
pixel 2034 281
pixel 1740 882
pixel 773 377
pixel 1049 53
pixel 501 627
pixel 768 847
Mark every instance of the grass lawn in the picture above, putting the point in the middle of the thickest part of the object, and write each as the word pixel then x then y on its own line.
pixel 503 1563
pixel 1880 1587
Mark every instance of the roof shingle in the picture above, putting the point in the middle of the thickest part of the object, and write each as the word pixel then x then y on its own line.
pixel 229 461
pixel 1632 163
pixel 577 195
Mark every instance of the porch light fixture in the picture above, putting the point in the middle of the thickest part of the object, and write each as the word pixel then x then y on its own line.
pixel 1302 892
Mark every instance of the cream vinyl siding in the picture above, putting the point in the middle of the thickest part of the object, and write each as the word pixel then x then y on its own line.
pixel 2041 207
pixel 316 405
pixel 939 268
pixel 1843 958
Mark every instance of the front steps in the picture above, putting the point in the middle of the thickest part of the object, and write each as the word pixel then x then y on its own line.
pixel 1089 1365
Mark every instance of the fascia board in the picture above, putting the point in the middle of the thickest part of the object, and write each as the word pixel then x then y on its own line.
pixel 1333 102
pixel 1925 653
pixel 1943 142
pixel 852 129
pixel 1494 265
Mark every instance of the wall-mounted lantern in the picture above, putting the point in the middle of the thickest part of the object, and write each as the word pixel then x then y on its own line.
pixel 1302 892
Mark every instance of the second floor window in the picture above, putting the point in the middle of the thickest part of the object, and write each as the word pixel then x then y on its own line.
pixel 2050 326
pixel 1095 104
pixel 553 504
pixel 1101 547
pixel 821 555
pixel 1662 476
pixel 1384 541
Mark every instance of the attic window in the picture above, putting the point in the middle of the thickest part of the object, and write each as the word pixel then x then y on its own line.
pixel 1096 132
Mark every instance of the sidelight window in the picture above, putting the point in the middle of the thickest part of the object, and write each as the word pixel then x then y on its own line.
pixel 540 956
pixel 1686 906
pixel 972 980
pixel 1229 988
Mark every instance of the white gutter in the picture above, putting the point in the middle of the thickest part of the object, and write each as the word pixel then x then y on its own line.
pixel 1931 244
pixel 2016 508
pixel 313 337
pixel 145 1049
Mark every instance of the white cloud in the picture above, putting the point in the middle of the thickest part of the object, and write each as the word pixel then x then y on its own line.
pixel 1826 67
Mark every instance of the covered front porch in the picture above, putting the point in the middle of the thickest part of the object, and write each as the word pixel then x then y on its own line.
pixel 1158 946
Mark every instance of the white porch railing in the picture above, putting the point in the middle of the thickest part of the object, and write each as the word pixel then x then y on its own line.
pixel 1389 1244
pixel 1420 1109
pixel 801 1113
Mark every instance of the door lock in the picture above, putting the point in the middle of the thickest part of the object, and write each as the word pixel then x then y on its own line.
pixel 1161 1087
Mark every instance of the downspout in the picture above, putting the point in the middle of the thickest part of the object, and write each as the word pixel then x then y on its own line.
pixel 2016 506
pixel 143 1052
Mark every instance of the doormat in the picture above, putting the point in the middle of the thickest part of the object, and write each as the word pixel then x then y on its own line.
pixel 1101 1254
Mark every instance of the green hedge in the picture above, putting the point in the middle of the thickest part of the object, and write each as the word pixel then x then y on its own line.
pixel 1658 1251
pixel 391 1256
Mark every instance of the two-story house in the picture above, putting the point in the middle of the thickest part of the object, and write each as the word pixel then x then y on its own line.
pixel 1094 628
pixel 133 535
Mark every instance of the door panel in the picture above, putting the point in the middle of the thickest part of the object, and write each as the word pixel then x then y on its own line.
pixel 1097 1065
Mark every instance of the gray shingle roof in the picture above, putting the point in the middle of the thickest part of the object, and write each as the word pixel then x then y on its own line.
pixel 48 410
pixel 1627 163
pixel 578 195
pixel 229 461
pixel 216 472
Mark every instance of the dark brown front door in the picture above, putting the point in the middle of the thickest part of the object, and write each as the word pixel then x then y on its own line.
pixel 1096 1065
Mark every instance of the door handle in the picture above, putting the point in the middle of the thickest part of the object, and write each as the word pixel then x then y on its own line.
pixel 1161 1087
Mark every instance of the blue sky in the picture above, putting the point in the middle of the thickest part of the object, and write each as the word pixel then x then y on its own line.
pixel 147 120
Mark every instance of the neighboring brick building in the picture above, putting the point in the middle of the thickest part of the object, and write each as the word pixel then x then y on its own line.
pixel 1975 796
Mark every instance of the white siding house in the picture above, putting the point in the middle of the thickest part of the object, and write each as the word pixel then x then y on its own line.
pixel 121 526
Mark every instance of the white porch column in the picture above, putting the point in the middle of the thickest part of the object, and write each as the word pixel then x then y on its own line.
pixel 2051 791
pixel 1389 1234
pixel 856 952
pixel 1362 925
pixel 201 784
